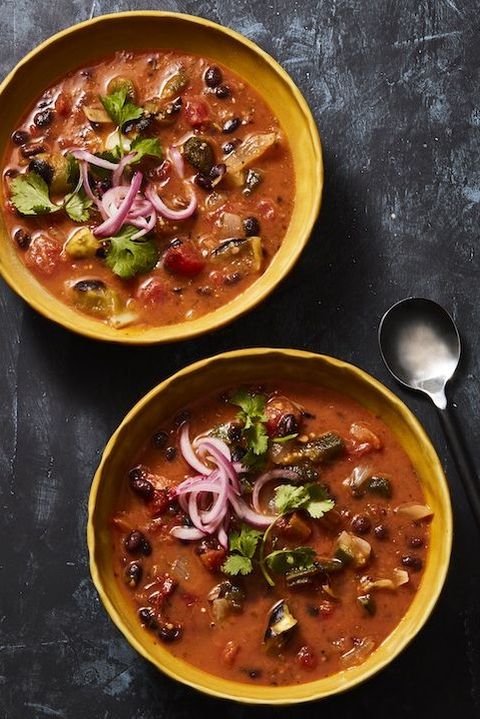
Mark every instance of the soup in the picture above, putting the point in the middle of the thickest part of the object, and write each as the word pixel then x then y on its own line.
pixel 273 534
pixel 148 188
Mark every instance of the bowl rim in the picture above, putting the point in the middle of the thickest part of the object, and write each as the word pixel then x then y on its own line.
pixel 285 354
pixel 181 330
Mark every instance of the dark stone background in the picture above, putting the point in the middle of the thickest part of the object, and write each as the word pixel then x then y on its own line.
pixel 394 87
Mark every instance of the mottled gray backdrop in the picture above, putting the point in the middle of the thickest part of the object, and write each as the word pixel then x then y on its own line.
pixel 394 86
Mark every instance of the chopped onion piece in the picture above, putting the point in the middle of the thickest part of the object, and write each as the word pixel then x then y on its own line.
pixel 92 159
pixel 358 653
pixel 177 160
pixel 356 548
pixel 358 477
pixel 400 576
pixel 188 533
pixel 414 511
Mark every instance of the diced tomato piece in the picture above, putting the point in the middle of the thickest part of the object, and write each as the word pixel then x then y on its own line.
pixel 212 559
pixel 184 259
pixel 307 658
pixel 196 112
pixel 294 528
pixel 43 255
pixel 283 417
pixel 266 208
pixel 229 653
pixel 326 608
pixel 62 105
pixel 159 503
pixel 163 587
pixel 363 440
pixel 152 292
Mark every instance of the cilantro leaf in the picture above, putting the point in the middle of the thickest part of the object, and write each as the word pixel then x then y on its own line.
pixel 145 146
pixel 119 108
pixel 311 497
pixel 127 257
pixel 243 546
pixel 30 195
pixel 246 542
pixel 236 564
pixel 77 206
pixel 252 414
pixel 286 560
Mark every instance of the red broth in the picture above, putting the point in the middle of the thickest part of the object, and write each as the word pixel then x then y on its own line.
pixel 196 264
pixel 335 630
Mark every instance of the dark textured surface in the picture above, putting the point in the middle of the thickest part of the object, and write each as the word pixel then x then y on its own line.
pixel 394 88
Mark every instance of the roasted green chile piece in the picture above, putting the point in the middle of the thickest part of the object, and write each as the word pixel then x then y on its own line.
pixel 305 470
pixel 381 486
pixel 174 85
pixel 252 180
pixel 325 448
pixel 300 578
pixel 94 297
pixel 82 244
pixel 60 172
pixel 120 83
pixel 225 598
pixel 199 153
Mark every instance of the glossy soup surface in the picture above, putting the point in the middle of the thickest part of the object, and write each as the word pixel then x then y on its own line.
pixel 195 271
pixel 334 630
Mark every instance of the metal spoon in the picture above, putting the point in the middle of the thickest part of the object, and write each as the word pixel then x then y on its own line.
pixel 420 345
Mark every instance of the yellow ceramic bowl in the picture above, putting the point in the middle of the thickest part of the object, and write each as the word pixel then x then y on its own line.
pixel 86 42
pixel 243 366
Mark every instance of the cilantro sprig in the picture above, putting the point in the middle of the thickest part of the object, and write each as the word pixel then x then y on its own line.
pixel 252 415
pixel 243 546
pixel 145 146
pixel 282 561
pixel 126 257
pixel 77 206
pixel 119 108
pixel 30 195
pixel 312 497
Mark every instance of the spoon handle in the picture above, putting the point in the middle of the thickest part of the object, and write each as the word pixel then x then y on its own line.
pixel 463 461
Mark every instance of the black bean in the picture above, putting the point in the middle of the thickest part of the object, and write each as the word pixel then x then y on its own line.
pixel 169 632
pixel 20 137
pixel 222 92
pixel 43 118
pixel 11 172
pixel 254 673
pixel 234 433
pixel 413 562
pixel 137 543
pixel 231 125
pixel 229 147
pixel 140 484
pixel 159 439
pixel 415 542
pixel 42 168
pixel 287 425
pixel 103 249
pixel 22 239
pixel 32 150
pixel 251 227
pixel 146 616
pixel 217 172
pixel 313 611
pixel 233 279
pixel 181 417
pixel 89 285
pixel 170 453
pixel 133 574
pixel 361 524
pixel 381 531
pixel 213 76
pixel 203 181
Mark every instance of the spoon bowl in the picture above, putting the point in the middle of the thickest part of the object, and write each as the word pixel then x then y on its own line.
pixel 421 346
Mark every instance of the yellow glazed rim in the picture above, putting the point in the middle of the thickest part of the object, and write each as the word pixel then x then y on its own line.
pixel 243 366
pixel 78 45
